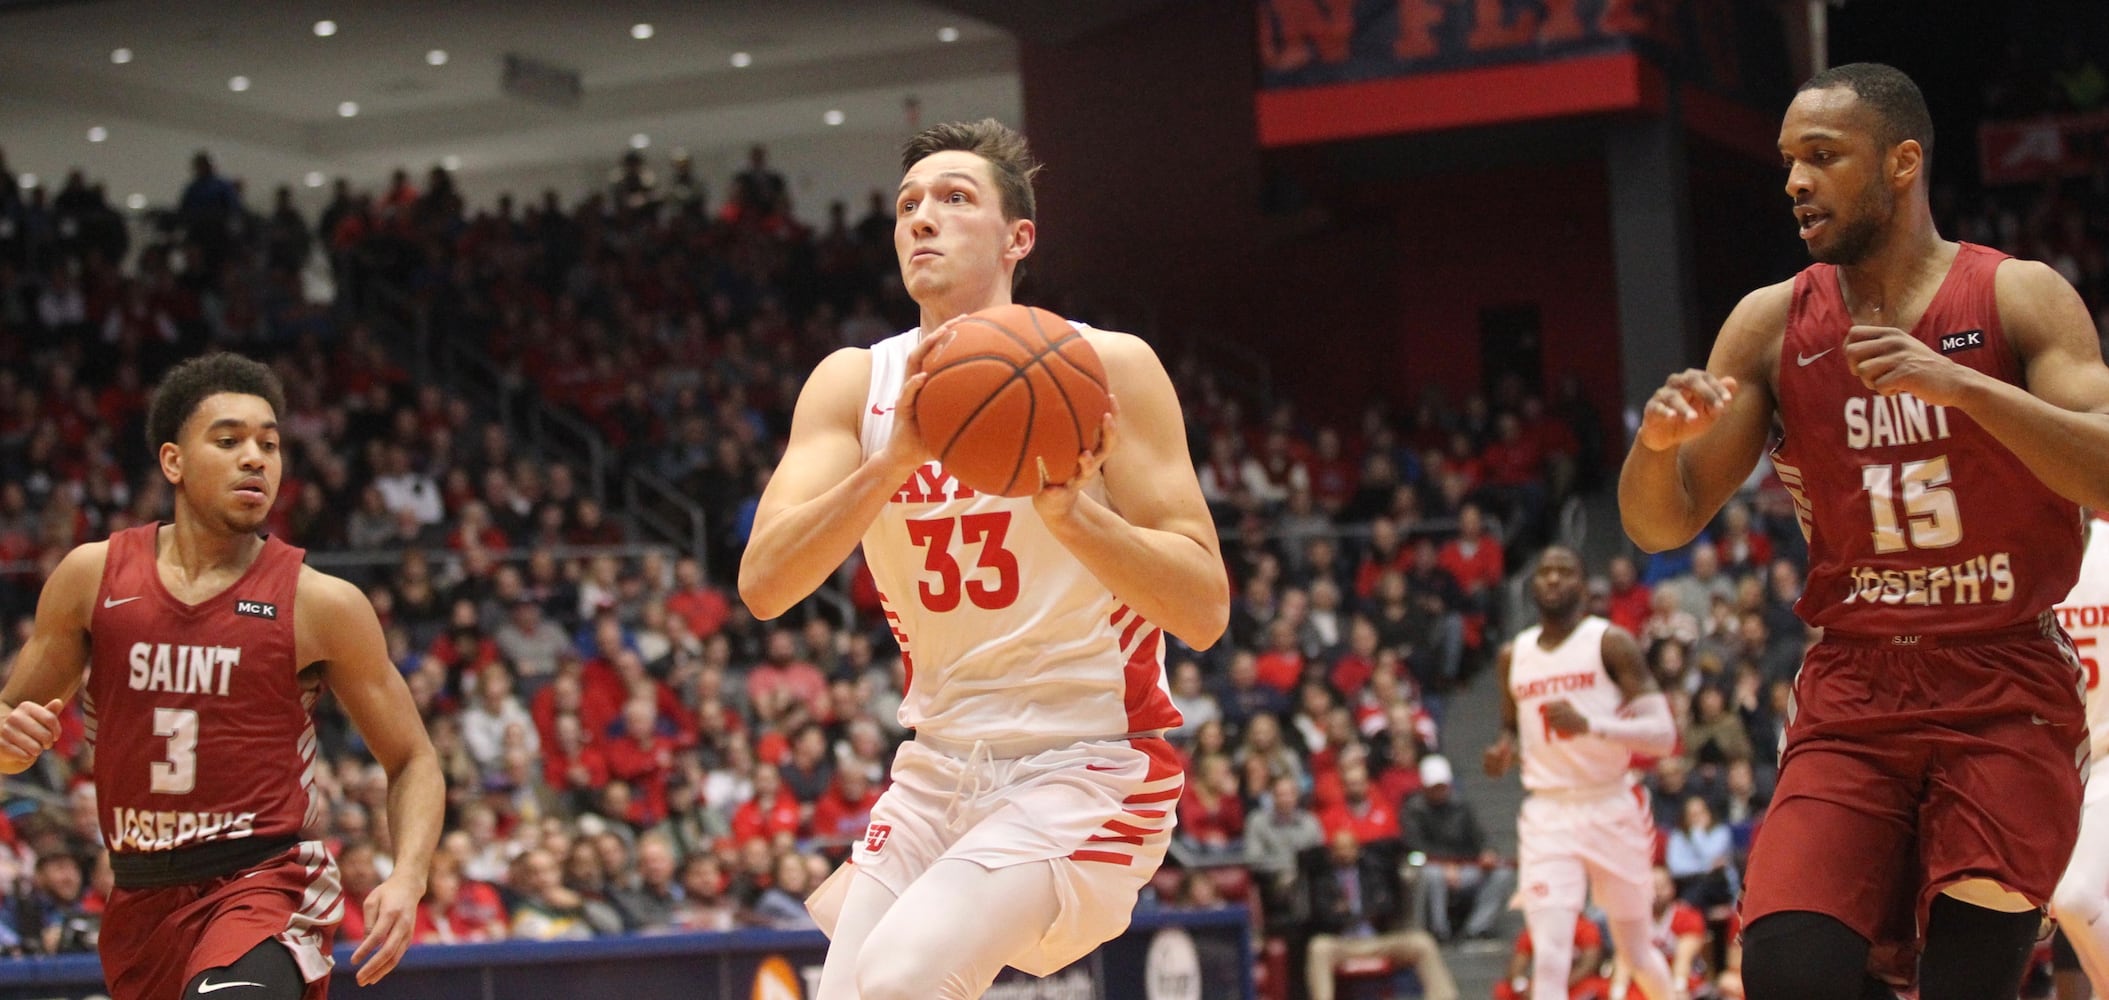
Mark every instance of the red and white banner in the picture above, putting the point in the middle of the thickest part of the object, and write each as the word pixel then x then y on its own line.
pixel 2016 152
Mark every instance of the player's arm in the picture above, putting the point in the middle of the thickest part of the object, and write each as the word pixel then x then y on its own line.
pixel 1702 432
pixel 1152 542
pixel 338 629
pixel 50 666
pixel 2059 424
pixel 824 494
pixel 1643 724
pixel 1500 756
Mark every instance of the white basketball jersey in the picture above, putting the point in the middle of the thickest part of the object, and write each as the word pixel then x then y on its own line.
pixel 1573 670
pixel 1006 636
pixel 2085 615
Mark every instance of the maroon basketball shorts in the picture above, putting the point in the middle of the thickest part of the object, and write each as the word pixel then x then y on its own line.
pixel 1916 763
pixel 154 941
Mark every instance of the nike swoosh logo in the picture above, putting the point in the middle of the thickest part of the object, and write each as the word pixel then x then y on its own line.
pixel 111 602
pixel 2038 720
pixel 1805 360
pixel 209 986
pixel 876 412
pixel 1102 767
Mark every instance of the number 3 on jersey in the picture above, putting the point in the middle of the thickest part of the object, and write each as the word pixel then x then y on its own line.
pixel 179 773
pixel 986 531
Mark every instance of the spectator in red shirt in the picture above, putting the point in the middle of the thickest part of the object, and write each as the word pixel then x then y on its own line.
pixel 769 812
pixel 1474 559
pixel 1335 476
pixel 642 756
pixel 781 678
pixel 1630 599
pixel 845 811
pixel 1211 812
pixel 359 875
pixel 1741 549
pixel 1385 554
pixel 571 764
pixel 1281 664
pixel 1360 811
pixel 701 605
pixel 457 909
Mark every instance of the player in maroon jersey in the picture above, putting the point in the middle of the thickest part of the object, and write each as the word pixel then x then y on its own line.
pixel 208 644
pixel 1941 408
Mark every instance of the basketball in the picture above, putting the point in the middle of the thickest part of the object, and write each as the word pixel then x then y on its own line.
pixel 1016 387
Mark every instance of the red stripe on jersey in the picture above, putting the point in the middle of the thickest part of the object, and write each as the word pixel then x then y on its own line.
pixel 1108 857
pixel 1149 708
pixel 1101 838
pixel 1147 797
pixel 1130 829
pixel 1127 636
pixel 1118 614
pixel 1164 763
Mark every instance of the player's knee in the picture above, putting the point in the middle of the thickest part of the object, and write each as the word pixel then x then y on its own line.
pixel 897 974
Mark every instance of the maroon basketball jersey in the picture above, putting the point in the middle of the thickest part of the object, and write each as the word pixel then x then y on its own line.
pixel 200 722
pixel 1918 520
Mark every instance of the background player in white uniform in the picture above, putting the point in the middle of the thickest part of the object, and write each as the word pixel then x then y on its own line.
pixel 1584 691
pixel 2081 902
pixel 1037 797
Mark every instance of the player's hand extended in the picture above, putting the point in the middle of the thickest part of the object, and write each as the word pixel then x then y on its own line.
pixel 391 916
pixel 1890 361
pixel 1685 407
pixel 1565 719
pixel 905 449
pixel 28 731
pixel 1055 500
pixel 1499 757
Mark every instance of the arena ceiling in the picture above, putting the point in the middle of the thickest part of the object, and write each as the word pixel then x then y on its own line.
pixel 711 76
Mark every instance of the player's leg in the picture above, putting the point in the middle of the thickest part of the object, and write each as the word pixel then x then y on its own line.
pixel 867 902
pixel 1552 949
pixel 2081 902
pixel 1800 955
pixel 266 972
pixel 956 927
pixel 1975 952
pixel 1627 905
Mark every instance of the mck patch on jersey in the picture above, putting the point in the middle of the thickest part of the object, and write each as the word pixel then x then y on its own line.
pixel 256 609
pixel 1968 340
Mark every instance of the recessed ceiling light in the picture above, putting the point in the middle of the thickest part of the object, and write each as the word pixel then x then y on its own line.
pixel 450 162
pixel 640 31
pixel 640 141
pixel 948 33
pixel 238 83
pixel 436 57
pixel 324 29
pixel 97 133
pixel 833 116
pixel 26 181
pixel 135 201
pixel 314 179
pixel 348 109
pixel 741 60
pixel 120 56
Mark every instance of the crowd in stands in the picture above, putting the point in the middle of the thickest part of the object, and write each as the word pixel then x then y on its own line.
pixel 628 751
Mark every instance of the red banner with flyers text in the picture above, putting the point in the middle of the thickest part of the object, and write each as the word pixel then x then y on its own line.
pixel 2018 152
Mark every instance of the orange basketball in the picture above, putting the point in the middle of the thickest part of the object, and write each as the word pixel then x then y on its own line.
pixel 1016 387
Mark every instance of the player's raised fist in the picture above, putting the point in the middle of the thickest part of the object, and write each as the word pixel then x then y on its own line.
pixel 1685 407
pixel 1890 361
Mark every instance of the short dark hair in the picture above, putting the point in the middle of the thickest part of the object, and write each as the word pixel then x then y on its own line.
pixel 188 384
pixel 1009 159
pixel 1896 101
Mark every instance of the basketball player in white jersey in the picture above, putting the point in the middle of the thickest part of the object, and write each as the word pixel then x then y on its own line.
pixel 2081 902
pixel 1588 703
pixel 1038 795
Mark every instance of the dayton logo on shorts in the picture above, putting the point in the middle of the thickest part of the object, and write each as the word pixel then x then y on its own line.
pixel 1964 341
pixel 256 609
pixel 875 836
